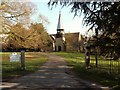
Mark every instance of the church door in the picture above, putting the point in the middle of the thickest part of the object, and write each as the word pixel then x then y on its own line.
pixel 55 48
pixel 59 48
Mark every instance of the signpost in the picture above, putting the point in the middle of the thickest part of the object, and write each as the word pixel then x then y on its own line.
pixel 23 59
pixel 14 57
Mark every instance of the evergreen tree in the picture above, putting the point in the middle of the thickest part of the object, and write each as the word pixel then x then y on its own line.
pixel 103 17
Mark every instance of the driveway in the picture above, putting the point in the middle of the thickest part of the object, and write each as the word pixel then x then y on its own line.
pixel 53 75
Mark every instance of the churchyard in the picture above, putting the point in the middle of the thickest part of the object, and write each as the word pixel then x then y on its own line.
pixel 107 73
pixel 28 42
pixel 10 69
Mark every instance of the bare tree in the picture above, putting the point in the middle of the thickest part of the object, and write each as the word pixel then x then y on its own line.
pixel 15 12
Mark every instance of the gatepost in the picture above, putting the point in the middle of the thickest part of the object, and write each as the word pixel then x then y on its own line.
pixel 87 55
pixel 23 59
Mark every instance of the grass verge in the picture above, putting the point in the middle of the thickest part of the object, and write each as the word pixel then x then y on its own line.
pixel 76 60
pixel 33 60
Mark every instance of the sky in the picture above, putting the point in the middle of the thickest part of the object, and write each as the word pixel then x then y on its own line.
pixel 70 24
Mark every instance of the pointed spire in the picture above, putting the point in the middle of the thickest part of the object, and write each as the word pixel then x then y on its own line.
pixel 59 26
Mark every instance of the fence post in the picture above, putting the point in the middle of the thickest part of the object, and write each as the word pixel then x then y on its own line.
pixel 110 66
pixel 22 59
pixel 118 66
pixel 96 57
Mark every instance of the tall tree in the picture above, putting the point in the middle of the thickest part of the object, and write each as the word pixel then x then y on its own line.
pixel 15 12
pixel 17 37
pixel 103 17
pixel 15 15
pixel 41 37
pixel 35 37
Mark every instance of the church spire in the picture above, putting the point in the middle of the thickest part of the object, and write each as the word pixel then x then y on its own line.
pixel 59 26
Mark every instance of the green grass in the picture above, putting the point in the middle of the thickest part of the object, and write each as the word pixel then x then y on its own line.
pixel 100 75
pixel 33 60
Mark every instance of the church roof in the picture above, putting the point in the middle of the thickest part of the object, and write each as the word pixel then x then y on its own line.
pixel 59 26
pixel 76 35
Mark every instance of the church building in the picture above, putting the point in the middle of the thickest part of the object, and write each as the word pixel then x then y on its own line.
pixel 66 41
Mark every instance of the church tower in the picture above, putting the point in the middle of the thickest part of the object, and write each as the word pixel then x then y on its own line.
pixel 60 39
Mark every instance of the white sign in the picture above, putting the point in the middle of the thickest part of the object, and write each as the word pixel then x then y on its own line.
pixel 14 57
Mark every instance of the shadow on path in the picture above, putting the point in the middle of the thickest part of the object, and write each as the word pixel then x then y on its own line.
pixel 51 76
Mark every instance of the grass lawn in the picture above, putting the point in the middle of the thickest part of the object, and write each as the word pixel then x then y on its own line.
pixel 33 60
pixel 99 75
